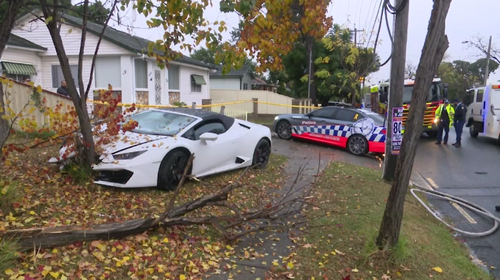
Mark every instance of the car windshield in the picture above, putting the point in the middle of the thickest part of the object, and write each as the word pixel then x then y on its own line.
pixel 434 93
pixel 160 122
pixel 378 119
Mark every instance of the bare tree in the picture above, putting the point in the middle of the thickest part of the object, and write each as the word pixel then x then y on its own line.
pixel 52 16
pixel 410 69
pixel 9 10
pixel 481 44
pixel 435 46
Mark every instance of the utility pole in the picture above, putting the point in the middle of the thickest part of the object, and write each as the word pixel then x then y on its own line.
pixel 355 31
pixel 310 76
pixel 486 72
pixel 396 84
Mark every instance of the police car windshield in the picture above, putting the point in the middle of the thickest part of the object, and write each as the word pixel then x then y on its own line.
pixel 433 95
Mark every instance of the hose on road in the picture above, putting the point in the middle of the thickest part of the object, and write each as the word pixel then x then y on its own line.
pixel 467 204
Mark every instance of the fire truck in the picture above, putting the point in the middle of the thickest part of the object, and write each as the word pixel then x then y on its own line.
pixel 437 93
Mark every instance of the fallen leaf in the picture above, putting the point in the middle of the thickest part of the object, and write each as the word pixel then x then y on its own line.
pixel 438 269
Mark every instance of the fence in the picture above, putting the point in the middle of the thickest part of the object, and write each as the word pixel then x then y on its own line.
pixel 21 98
pixel 269 103
pixel 237 104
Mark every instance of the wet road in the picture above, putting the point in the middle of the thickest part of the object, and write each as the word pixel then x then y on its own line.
pixel 471 172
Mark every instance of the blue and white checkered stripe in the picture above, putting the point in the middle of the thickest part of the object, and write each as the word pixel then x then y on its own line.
pixel 338 130
pixel 332 130
pixel 377 135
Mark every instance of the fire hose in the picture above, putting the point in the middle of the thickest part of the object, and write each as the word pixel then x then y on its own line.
pixel 467 204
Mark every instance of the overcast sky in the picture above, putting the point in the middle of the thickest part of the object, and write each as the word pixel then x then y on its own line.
pixel 466 19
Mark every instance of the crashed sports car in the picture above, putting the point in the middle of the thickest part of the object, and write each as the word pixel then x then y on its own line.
pixel 157 150
pixel 360 131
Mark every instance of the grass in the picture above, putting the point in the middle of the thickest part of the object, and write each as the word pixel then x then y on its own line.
pixel 50 197
pixel 339 240
pixel 9 195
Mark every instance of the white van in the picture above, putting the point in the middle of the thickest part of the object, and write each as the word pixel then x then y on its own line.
pixel 483 112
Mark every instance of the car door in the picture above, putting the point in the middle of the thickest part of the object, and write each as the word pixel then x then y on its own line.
pixel 312 125
pixel 343 121
pixel 211 155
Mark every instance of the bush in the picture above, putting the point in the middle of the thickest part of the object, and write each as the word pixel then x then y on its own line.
pixel 9 194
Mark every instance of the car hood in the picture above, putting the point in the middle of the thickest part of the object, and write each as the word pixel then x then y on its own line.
pixel 128 140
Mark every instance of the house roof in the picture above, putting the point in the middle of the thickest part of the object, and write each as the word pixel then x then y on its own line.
pixel 17 41
pixel 233 73
pixel 130 42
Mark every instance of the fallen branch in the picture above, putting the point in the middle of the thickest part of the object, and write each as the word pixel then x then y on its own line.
pixel 270 215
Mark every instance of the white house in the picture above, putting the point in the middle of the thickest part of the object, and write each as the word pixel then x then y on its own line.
pixel 240 79
pixel 120 62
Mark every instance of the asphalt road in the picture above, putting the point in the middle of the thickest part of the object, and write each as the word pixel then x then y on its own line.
pixel 471 172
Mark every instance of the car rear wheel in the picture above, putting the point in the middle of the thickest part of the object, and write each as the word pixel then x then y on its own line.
pixel 171 170
pixel 472 131
pixel 284 130
pixel 357 145
pixel 261 154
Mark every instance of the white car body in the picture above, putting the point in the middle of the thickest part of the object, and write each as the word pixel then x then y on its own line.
pixel 214 153
pixel 483 111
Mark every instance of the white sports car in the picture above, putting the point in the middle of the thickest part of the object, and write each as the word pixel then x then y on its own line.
pixel 156 152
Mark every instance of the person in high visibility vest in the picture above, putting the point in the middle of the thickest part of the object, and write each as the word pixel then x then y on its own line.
pixel 444 114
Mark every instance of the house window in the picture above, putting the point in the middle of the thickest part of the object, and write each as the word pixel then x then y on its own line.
pixel 245 86
pixel 141 73
pixel 173 77
pixel 108 71
pixel 196 82
pixel 58 77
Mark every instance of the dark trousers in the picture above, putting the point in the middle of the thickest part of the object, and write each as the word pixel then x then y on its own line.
pixel 459 128
pixel 446 127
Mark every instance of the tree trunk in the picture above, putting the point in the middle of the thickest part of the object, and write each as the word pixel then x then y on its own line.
pixel 12 8
pixel 88 146
pixel 436 44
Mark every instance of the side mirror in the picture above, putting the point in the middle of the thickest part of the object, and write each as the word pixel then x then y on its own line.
pixel 208 136
pixel 445 90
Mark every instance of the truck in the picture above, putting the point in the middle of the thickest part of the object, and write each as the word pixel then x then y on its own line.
pixel 437 93
pixel 483 111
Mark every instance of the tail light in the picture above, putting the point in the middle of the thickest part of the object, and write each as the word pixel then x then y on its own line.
pixel 496 87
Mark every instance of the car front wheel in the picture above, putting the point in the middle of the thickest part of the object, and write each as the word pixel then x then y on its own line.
pixel 261 154
pixel 357 145
pixel 284 130
pixel 172 169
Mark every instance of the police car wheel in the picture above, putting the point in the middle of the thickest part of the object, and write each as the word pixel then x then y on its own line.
pixel 284 130
pixel 357 145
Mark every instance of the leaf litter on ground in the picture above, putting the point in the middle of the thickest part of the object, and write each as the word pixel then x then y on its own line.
pixel 51 198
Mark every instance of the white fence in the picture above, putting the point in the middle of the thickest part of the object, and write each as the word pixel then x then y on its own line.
pixel 222 95
pixel 231 111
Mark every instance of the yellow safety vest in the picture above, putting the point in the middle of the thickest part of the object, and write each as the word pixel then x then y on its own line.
pixel 449 109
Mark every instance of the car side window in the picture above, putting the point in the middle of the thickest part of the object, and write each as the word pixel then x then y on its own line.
pixel 348 115
pixel 479 96
pixel 326 113
pixel 213 127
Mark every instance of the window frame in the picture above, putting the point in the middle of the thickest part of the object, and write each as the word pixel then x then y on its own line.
pixel 170 78
pixel 347 110
pixel 145 75
pixel 331 109
pixel 75 75
pixel 191 133
pixel 96 73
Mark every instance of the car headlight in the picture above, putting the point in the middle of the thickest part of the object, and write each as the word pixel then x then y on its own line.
pixel 436 120
pixel 130 155
pixel 276 118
